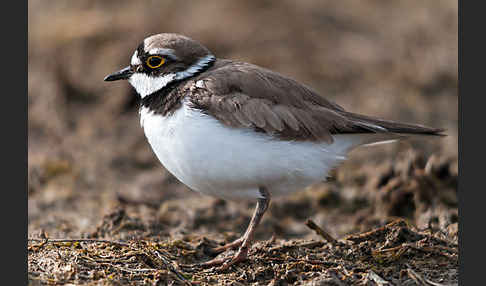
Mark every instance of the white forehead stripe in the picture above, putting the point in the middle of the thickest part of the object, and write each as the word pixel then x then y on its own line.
pixel 146 85
pixel 159 51
pixel 135 60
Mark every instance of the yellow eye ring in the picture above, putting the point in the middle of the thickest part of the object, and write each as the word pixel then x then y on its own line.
pixel 154 62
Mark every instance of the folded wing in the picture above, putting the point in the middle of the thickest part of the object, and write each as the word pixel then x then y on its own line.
pixel 242 95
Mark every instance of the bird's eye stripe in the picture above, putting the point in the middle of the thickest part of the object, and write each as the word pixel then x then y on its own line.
pixel 155 61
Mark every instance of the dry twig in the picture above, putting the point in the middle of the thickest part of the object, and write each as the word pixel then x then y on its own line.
pixel 377 278
pixel 51 240
pixel 312 225
pixel 419 279
pixel 171 268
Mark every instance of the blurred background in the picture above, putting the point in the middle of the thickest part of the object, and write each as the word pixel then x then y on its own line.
pixel 90 166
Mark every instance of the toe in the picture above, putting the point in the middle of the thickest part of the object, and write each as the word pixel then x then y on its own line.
pixel 214 262
pixel 239 257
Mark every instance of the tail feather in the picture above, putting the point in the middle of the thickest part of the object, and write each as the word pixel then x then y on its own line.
pixel 373 131
pixel 380 125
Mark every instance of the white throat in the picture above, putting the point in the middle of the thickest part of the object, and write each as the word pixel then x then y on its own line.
pixel 146 85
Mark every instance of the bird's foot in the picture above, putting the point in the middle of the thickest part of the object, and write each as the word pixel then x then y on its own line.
pixel 240 256
pixel 245 241
pixel 227 262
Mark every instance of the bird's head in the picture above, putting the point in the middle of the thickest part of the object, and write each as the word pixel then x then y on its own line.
pixel 161 59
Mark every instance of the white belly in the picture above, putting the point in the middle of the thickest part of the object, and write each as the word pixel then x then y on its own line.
pixel 233 163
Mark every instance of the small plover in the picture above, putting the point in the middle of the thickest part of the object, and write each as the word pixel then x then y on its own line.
pixel 234 130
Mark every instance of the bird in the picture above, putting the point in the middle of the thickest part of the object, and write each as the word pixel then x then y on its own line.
pixel 237 131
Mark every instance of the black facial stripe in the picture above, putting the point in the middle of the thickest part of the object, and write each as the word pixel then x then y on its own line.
pixel 143 56
pixel 168 98
pixel 140 51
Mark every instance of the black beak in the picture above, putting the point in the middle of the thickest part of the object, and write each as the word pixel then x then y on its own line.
pixel 121 74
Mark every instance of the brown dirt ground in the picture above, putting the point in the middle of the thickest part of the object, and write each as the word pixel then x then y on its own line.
pixel 393 208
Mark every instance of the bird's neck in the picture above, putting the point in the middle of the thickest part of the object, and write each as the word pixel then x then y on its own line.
pixel 168 97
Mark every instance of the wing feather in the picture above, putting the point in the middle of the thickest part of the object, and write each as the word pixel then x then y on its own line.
pixel 242 95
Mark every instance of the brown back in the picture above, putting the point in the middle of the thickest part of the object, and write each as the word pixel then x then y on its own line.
pixel 244 95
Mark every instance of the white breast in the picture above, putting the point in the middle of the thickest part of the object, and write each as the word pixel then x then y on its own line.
pixel 233 163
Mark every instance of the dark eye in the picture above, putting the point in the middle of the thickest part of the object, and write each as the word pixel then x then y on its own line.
pixel 154 62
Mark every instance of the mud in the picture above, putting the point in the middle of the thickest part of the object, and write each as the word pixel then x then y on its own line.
pixel 393 209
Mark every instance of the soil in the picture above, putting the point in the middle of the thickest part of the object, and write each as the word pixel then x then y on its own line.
pixel 103 211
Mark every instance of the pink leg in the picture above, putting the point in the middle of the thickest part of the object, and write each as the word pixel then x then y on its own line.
pixel 246 240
